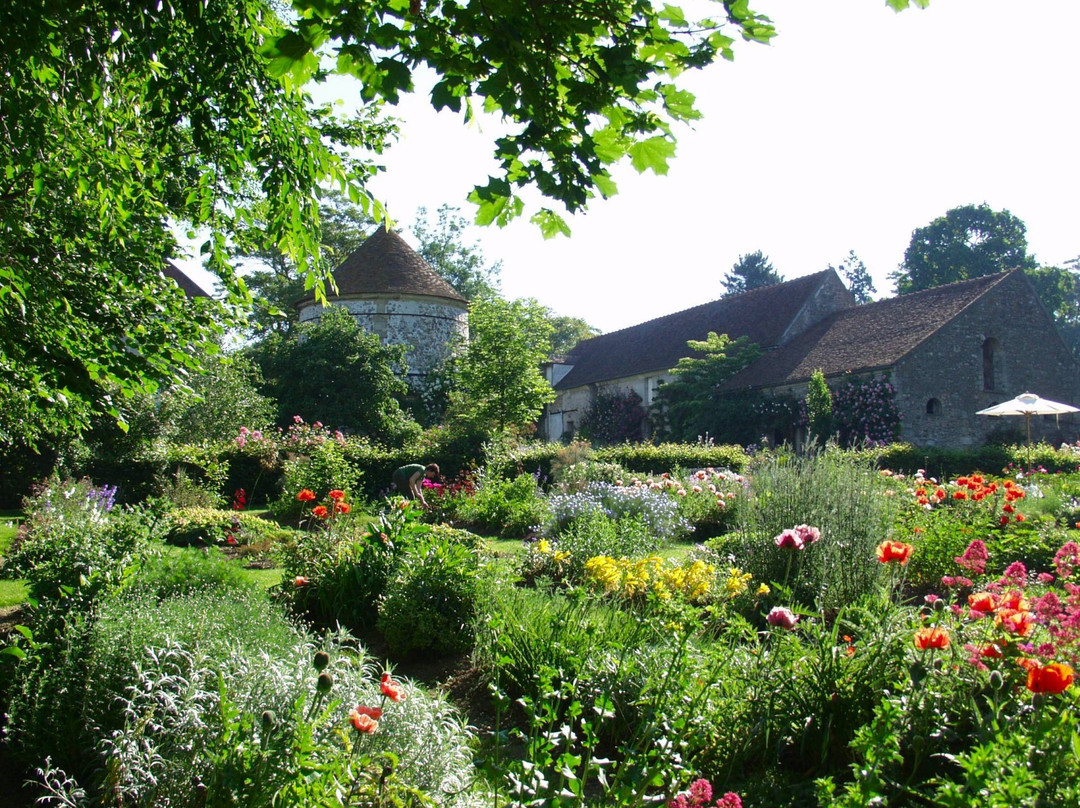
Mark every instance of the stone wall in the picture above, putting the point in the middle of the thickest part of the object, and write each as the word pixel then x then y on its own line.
pixel 941 384
pixel 428 327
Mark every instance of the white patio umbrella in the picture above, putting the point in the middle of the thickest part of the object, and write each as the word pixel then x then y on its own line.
pixel 1028 404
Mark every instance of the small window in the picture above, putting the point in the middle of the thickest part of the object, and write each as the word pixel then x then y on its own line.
pixel 933 407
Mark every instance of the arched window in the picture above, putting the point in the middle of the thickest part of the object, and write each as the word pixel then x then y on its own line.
pixel 989 349
pixel 933 407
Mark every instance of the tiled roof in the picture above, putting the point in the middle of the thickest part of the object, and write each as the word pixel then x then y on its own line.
pixel 868 337
pixel 762 314
pixel 385 265
pixel 186 284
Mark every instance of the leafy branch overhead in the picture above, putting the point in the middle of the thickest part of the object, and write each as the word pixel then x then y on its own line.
pixel 582 84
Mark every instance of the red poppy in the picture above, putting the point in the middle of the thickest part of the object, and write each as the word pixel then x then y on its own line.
pixel 362 721
pixel 940 493
pixel 1021 518
pixel 370 712
pixel 931 638
pixel 982 602
pixel 1053 678
pixel 1008 508
pixel 320 511
pixel 337 494
pixel 301 580
pixel 342 507
pixel 960 495
pixel 889 551
pixel 306 495
pixel 1015 621
pixel 391 689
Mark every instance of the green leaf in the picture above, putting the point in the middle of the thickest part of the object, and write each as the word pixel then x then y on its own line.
pixel 653 154
pixel 551 224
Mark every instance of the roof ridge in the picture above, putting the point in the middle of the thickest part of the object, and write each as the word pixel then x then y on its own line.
pixel 721 299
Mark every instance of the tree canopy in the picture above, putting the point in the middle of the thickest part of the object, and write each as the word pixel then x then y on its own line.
pixel 967 242
pixel 124 119
pixel 497 378
pixel 751 271
pixel 854 271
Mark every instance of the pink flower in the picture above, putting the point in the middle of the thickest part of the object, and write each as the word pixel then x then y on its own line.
pixel 729 800
pixel 701 791
pixel 782 617
pixel 808 534
pixel 974 557
pixel 789 540
pixel 1067 559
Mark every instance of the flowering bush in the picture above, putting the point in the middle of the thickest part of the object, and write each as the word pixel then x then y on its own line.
pixel 635 580
pixel 658 513
pixel 864 413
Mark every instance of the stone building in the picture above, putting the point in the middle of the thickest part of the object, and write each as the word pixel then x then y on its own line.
pixel 390 290
pixel 948 352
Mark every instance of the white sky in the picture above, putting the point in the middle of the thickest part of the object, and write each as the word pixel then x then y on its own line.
pixel 856 126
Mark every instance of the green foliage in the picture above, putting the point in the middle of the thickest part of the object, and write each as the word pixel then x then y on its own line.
pixel 72 544
pixel 613 417
pixel 461 265
pixel 751 271
pixel 324 469
pixel 215 403
pixel 842 497
pixel 123 121
pixel 172 574
pixel 336 372
pixel 336 571
pixel 567 332
pixel 819 407
pixel 211 526
pixel 859 282
pixel 430 601
pixel 684 409
pixel 577 475
pixel 501 506
pixel 967 242
pixel 498 380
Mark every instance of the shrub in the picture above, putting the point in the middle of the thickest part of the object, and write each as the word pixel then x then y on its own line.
pixel 208 526
pixel 576 476
pixel 163 575
pixel 591 534
pixel 74 539
pixel 430 601
pixel 502 506
pixel 215 699
pixel 658 513
pixel 842 497
pixel 336 571
pixel 324 468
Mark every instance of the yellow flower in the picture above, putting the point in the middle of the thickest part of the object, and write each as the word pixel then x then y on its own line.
pixel 544 547
pixel 763 590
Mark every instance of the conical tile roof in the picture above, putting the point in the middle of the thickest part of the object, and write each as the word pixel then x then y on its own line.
pixel 386 265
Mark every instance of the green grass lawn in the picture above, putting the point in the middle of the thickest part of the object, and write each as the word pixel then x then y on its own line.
pixel 12 593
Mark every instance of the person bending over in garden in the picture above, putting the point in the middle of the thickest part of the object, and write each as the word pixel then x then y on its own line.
pixel 407 480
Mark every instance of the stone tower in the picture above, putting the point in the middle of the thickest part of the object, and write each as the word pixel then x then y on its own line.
pixel 391 291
